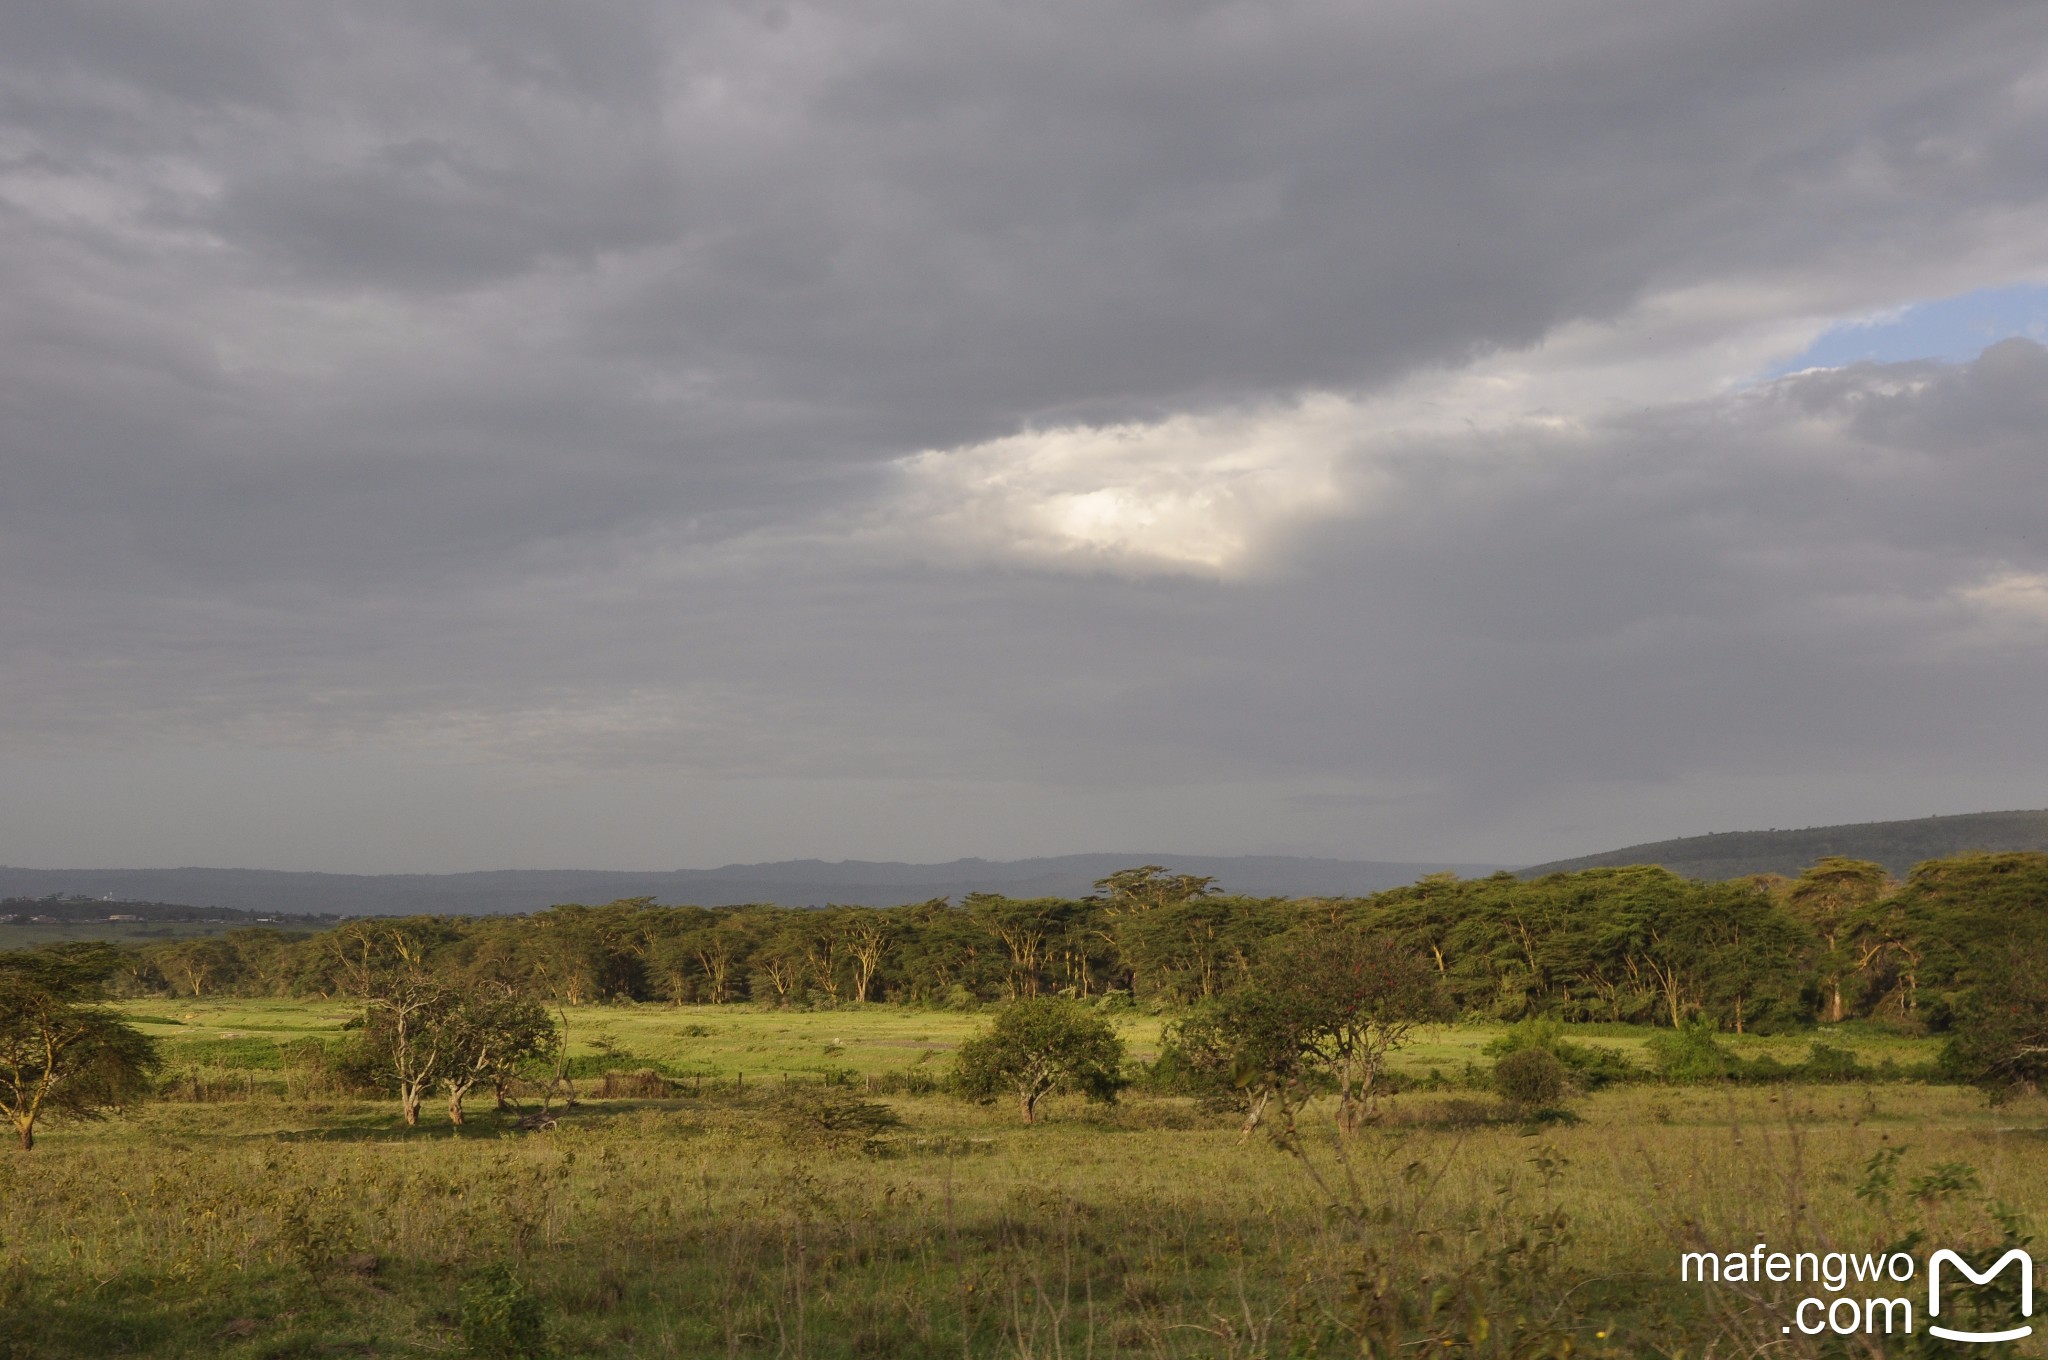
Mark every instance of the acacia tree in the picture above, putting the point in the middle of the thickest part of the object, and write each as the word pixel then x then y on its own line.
pixel 1024 929
pixel 407 1024
pixel 60 1054
pixel 822 947
pixel 1247 1048
pixel 867 940
pixel 197 965
pixel 1129 895
pixel 486 1038
pixel 2000 1040
pixel 1830 896
pixel 1037 1046
pixel 784 961
pixel 1355 997
pixel 1321 1011
pixel 1147 888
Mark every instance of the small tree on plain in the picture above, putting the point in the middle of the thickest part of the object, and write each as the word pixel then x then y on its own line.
pixel 1247 1049
pixel 407 1024
pixel 1355 997
pixel 1321 1011
pixel 1531 1079
pixel 1037 1046
pixel 487 1038
pixel 60 1054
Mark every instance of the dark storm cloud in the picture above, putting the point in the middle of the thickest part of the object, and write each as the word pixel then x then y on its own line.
pixel 530 378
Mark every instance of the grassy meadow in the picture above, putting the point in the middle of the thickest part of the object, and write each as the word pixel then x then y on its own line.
pixel 788 1193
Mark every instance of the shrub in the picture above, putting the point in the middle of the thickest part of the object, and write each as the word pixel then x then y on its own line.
pixel 1591 1066
pixel 1825 1062
pixel 1531 1078
pixel 500 1318
pixel 1038 1046
pixel 644 1084
pixel 313 1067
pixel 911 1082
pixel 1689 1054
pixel 817 1118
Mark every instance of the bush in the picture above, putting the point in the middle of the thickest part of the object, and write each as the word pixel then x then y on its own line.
pixel 828 1118
pixel 1591 1066
pixel 351 1067
pixel 1531 1078
pixel 1825 1062
pixel 910 1082
pixel 642 1084
pixel 1689 1054
pixel 500 1318
pixel 1038 1046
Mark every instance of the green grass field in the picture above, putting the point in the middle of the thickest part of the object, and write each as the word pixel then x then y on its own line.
pixel 725 1040
pixel 751 1220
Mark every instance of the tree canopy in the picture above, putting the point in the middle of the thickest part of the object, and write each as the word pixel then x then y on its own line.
pixel 60 1054
pixel 1038 1046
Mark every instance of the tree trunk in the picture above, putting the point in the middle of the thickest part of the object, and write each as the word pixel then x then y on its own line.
pixel 28 1137
pixel 411 1105
pixel 1029 1100
pixel 455 1107
pixel 1254 1113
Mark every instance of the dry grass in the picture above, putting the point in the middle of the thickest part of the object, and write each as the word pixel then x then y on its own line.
pixel 728 1224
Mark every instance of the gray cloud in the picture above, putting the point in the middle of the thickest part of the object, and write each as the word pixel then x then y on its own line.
pixel 525 390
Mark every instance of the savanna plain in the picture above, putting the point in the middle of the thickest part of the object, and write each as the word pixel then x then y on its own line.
pixel 742 1181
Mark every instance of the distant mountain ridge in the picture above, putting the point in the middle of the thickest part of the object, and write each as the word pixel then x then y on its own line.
pixel 794 883
pixel 1898 846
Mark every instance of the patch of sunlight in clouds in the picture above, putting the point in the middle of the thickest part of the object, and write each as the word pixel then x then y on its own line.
pixel 1192 493
pixel 2013 597
pixel 1208 493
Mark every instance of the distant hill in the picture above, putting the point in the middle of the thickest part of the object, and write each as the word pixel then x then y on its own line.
pixel 791 883
pixel 80 910
pixel 1898 846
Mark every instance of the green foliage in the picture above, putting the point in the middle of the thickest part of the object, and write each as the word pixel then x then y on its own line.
pixel 348 1066
pixel 1590 1065
pixel 1693 1054
pixel 1531 1078
pixel 1827 1063
pixel 500 1318
pixel 1632 944
pixel 1689 1054
pixel 60 1054
pixel 2000 1032
pixel 831 1118
pixel 1321 1011
pixel 246 1054
pixel 1037 1046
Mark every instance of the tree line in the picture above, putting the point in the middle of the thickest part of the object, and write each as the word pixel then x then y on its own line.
pixel 1282 1000
pixel 1636 945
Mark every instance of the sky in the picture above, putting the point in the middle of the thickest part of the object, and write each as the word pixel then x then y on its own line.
pixel 493 433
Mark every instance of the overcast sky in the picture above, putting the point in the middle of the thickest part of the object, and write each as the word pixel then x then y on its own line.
pixel 497 433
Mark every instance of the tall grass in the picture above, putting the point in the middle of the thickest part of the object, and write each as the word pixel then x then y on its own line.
pixel 829 1221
